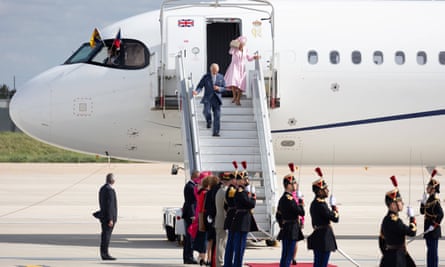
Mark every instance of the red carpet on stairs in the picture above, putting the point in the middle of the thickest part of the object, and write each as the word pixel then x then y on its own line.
pixel 276 264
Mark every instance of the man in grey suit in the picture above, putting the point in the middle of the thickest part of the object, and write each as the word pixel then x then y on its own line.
pixel 214 85
pixel 108 215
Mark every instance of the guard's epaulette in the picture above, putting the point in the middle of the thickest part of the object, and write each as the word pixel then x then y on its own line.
pixel 394 217
pixel 289 197
pixel 231 192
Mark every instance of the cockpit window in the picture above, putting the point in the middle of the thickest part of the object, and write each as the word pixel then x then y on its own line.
pixel 132 54
pixel 81 55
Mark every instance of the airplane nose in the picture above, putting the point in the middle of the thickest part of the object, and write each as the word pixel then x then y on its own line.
pixel 30 109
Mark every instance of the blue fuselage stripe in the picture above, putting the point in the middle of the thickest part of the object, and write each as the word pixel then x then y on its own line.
pixel 366 121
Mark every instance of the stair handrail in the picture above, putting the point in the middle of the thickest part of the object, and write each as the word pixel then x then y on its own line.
pixel 261 113
pixel 189 123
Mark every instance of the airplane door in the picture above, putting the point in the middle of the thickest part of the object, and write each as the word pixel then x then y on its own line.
pixel 187 34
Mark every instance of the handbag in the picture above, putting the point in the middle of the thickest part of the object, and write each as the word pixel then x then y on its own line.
pixel 97 214
pixel 193 230
pixel 234 44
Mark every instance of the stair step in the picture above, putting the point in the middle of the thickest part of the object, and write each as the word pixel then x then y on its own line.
pixel 231 157
pixel 218 150
pixel 229 125
pixel 222 141
pixel 227 134
pixel 227 166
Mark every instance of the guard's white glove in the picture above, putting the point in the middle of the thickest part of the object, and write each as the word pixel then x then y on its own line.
pixel 430 229
pixel 252 190
pixel 209 219
pixel 299 194
pixel 410 212
pixel 247 188
pixel 332 201
pixel 424 198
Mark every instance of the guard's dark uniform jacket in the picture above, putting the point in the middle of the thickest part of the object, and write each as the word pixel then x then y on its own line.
pixel 322 238
pixel 287 217
pixel 392 241
pixel 244 220
pixel 230 206
pixel 433 216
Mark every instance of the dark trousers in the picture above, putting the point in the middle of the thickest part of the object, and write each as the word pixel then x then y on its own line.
pixel 187 252
pixel 215 107
pixel 228 254
pixel 239 246
pixel 321 258
pixel 105 239
pixel 432 245
pixel 287 252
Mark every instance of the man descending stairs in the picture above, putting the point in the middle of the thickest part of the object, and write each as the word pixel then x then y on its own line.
pixel 244 135
pixel 238 141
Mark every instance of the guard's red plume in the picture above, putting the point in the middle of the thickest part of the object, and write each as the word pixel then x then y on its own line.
pixel 235 164
pixel 244 164
pixel 318 171
pixel 394 181
pixel 433 173
pixel 291 166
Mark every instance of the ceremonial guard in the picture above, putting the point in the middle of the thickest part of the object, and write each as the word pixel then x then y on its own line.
pixel 322 239
pixel 230 214
pixel 287 216
pixel 393 231
pixel 433 212
pixel 243 222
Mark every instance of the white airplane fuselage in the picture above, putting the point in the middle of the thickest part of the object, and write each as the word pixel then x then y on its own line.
pixel 386 108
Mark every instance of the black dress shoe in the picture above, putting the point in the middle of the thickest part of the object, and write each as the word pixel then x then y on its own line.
pixel 190 262
pixel 108 258
pixel 209 125
pixel 216 134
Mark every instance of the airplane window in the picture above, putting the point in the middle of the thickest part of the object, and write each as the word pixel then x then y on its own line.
pixel 132 54
pixel 400 58
pixel 378 57
pixel 82 54
pixel 356 57
pixel 421 58
pixel 312 57
pixel 442 58
pixel 334 57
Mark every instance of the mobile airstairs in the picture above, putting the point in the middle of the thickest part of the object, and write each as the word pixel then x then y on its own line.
pixel 245 136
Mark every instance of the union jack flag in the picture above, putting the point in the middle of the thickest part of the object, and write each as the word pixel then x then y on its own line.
pixel 186 23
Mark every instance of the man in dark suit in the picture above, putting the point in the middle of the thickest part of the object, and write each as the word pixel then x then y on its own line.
pixel 108 217
pixel 214 85
pixel 188 214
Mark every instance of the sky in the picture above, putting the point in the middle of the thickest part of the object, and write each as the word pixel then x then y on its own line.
pixel 36 35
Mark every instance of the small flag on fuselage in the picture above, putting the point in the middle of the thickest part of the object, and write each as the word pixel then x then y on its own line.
pixel 95 37
pixel 117 41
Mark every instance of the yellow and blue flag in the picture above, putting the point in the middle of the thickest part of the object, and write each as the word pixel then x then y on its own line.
pixel 95 37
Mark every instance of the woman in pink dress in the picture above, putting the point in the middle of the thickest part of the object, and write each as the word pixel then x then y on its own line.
pixel 236 72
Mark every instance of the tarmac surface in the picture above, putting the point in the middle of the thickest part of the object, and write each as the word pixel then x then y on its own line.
pixel 45 214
